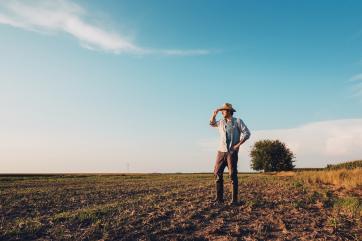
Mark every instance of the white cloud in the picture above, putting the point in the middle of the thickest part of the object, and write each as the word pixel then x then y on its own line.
pixel 314 144
pixel 63 16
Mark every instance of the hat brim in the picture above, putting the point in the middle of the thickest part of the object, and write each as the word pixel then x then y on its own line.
pixel 232 109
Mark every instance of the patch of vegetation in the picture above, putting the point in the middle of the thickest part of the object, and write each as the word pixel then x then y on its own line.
pixel 25 228
pixel 328 199
pixel 314 197
pixel 299 185
pixel 350 205
pixel 299 203
pixel 346 165
pixel 86 214
pixel 346 178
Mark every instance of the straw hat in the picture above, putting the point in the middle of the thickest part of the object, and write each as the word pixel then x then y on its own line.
pixel 227 106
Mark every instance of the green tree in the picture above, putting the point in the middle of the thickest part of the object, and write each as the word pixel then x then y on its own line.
pixel 271 155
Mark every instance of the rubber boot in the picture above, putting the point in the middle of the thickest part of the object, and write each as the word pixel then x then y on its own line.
pixel 234 192
pixel 219 192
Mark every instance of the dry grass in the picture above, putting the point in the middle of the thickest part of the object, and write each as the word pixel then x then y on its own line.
pixel 348 179
pixel 285 174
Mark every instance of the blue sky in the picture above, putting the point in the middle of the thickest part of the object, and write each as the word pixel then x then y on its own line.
pixel 93 85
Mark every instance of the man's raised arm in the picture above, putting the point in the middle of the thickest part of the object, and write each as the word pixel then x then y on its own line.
pixel 213 122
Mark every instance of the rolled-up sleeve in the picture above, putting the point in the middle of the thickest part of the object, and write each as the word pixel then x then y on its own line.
pixel 214 123
pixel 244 131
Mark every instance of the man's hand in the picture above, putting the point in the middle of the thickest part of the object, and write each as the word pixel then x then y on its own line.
pixel 215 112
pixel 212 119
pixel 236 146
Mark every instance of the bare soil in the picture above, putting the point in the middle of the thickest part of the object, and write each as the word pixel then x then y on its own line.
pixel 170 207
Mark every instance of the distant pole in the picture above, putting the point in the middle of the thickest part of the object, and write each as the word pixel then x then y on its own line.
pixel 127 166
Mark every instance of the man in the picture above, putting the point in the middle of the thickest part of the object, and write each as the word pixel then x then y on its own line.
pixel 233 133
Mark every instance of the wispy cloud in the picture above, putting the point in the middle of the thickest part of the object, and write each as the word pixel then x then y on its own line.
pixel 357 77
pixel 315 144
pixel 356 82
pixel 63 16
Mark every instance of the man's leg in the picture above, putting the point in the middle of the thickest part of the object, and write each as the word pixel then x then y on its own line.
pixel 232 161
pixel 219 168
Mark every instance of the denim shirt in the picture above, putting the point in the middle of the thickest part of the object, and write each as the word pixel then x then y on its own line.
pixel 228 130
pixel 238 132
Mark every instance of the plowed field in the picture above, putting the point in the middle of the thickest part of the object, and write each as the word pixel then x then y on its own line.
pixel 172 207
